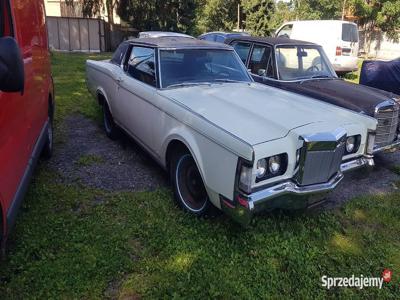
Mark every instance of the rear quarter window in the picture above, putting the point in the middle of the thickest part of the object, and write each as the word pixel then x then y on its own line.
pixel 119 54
pixel 349 33
pixel 6 27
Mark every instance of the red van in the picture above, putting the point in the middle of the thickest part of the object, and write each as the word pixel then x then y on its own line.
pixel 26 102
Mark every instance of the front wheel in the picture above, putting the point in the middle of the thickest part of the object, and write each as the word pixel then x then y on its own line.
pixel 110 127
pixel 190 192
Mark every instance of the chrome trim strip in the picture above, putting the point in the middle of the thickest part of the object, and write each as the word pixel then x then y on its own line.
pixel 392 147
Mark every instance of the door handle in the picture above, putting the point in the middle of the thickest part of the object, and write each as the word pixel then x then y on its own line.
pixel 119 79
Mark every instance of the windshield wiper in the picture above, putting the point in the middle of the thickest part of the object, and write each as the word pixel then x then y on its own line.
pixel 320 76
pixel 183 84
pixel 317 77
pixel 228 80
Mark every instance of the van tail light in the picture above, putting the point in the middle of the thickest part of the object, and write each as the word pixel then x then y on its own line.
pixel 338 51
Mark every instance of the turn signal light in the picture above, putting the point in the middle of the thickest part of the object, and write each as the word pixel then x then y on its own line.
pixel 338 51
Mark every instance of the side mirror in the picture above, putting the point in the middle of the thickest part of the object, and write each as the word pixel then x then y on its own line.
pixel 12 75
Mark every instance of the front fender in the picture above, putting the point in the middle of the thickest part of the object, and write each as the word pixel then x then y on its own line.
pixel 216 164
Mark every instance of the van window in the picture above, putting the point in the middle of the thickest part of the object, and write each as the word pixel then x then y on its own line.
pixel 286 31
pixel 6 27
pixel 349 33
pixel 141 65
pixel 242 49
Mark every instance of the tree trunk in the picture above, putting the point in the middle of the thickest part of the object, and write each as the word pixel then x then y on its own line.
pixel 110 11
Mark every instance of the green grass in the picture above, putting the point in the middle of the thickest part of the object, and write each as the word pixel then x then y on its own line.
pixel 89 160
pixel 75 242
pixel 354 76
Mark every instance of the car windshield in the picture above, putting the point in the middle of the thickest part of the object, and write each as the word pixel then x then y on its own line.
pixel 199 66
pixel 302 62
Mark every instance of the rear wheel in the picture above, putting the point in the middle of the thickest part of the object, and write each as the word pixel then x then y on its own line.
pixel 190 192
pixel 110 127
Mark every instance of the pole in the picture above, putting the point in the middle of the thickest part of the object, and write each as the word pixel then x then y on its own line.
pixel 238 17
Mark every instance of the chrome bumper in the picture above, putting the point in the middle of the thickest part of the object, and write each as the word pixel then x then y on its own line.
pixel 389 148
pixel 287 194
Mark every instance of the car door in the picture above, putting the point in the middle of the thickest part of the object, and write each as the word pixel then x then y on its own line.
pixel 261 64
pixel 134 107
pixel 14 142
pixel 242 49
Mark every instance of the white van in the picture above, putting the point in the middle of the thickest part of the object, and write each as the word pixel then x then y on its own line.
pixel 338 38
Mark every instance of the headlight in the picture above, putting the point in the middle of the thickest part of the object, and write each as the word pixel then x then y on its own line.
pixel 274 164
pixel 271 166
pixel 261 168
pixel 353 144
pixel 350 144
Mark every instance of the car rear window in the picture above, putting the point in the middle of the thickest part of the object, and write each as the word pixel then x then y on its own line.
pixel 349 33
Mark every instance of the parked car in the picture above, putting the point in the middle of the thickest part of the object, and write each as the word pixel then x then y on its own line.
pixel 303 68
pixel 338 38
pixel 219 36
pixel 226 141
pixel 27 102
pixel 158 34
pixel 384 75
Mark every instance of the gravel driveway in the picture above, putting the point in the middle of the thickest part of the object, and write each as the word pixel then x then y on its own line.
pixel 88 157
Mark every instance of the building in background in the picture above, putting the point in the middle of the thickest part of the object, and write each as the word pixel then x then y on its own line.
pixel 58 8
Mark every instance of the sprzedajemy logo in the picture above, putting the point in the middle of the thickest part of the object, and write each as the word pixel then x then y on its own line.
pixel 359 282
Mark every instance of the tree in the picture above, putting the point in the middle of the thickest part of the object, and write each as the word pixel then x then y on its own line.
pixel 378 14
pixel 258 16
pixel 91 8
pixel 214 15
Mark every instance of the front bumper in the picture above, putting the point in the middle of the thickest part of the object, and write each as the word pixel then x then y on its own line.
pixel 389 148
pixel 287 194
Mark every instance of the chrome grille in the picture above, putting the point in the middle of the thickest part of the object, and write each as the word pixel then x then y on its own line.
pixel 319 164
pixel 387 114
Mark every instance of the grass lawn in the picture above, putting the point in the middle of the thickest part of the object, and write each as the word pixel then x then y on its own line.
pixel 71 241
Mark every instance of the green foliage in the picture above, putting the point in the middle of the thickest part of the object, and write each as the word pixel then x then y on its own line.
pixel 172 15
pixel 258 16
pixel 381 14
pixel 215 15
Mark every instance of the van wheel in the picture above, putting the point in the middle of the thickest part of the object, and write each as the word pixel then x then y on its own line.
pixel 190 192
pixel 110 127
pixel 47 151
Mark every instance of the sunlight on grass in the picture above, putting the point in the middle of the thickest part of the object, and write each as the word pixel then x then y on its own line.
pixel 181 262
pixel 345 244
pixel 359 215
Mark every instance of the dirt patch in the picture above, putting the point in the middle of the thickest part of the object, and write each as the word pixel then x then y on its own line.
pixel 379 180
pixel 87 156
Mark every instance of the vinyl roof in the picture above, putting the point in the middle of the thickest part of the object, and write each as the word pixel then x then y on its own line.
pixel 178 42
pixel 270 40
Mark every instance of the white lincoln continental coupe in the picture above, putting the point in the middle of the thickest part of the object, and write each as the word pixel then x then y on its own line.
pixel 227 141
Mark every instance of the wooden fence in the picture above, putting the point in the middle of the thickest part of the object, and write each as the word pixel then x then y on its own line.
pixel 78 34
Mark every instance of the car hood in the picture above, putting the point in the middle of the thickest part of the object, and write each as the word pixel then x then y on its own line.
pixel 254 112
pixel 349 95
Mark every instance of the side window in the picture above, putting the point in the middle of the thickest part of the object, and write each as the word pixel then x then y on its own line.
pixel 6 26
pixel 119 54
pixel 209 37
pixel 261 61
pixel 242 49
pixel 219 38
pixel 286 31
pixel 141 65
